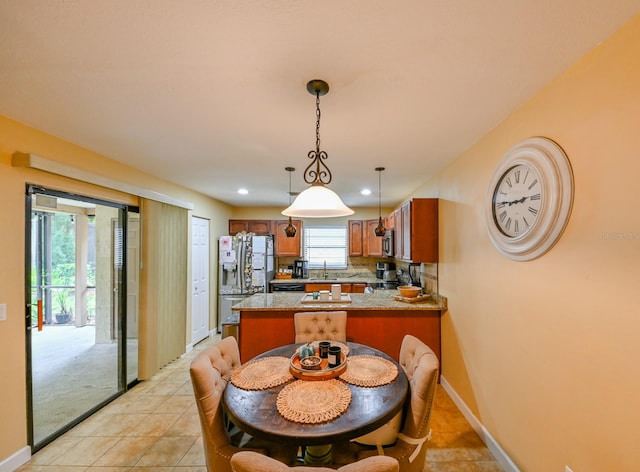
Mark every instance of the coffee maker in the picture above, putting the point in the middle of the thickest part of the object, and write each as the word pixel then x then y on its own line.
pixel 300 269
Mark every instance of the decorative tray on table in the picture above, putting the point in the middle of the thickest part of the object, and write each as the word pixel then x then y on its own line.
pixel 323 372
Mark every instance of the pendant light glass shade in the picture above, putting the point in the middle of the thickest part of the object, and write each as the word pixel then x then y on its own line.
pixel 290 231
pixel 317 201
pixel 380 230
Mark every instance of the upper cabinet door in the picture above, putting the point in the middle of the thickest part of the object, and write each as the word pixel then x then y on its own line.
pixel 397 228
pixel 285 246
pixel 425 219
pixel 355 238
pixel 261 227
pixel 390 221
pixel 416 227
pixel 372 243
pixel 406 231
pixel 238 226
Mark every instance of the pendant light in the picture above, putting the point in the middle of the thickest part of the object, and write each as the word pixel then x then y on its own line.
pixel 317 201
pixel 290 230
pixel 379 230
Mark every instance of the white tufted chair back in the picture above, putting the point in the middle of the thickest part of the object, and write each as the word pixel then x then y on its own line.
pixel 320 325
pixel 421 366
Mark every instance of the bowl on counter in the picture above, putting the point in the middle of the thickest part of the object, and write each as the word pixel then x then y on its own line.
pixel 409 291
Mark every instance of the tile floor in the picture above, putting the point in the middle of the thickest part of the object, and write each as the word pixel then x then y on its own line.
pixel 155 427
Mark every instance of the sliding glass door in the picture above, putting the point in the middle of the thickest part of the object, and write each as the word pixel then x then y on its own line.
pixel 81 345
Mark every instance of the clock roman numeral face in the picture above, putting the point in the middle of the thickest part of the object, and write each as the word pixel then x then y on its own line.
pixel 517 199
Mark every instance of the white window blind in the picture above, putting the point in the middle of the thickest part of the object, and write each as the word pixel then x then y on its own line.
pixel 325 244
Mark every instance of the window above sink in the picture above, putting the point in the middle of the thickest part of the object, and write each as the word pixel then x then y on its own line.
pixel 325 247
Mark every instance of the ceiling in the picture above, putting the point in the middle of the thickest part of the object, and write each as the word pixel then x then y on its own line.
pixel 212 94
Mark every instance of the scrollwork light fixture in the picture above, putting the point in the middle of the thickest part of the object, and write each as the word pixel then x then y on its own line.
pixel 317 201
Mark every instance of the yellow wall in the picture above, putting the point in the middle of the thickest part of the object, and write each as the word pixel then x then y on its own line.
pixel 17 137
pixel 546 353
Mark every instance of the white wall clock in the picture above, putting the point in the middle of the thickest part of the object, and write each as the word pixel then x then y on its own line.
pixel 529 199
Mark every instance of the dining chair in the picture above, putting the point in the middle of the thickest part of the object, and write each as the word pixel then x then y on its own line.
pixel 253 462
pixel 320 325
pixel 421 366
pixel 210 371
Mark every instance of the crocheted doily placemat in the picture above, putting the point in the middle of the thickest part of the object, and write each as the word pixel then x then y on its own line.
pixel 262 373
pixel 343 347
pixel 369 371
pixel 313 402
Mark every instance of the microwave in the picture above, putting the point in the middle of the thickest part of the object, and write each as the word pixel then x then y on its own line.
pixel 388 243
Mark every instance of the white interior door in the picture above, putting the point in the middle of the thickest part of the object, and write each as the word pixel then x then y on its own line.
pixel 200 279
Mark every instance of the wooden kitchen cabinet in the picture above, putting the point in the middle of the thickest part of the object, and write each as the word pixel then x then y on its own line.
pixel 345 288
pixel 405 217
pixel 362 240
pixel 397 238
pixel 238 226
pixel 416 230
pixel 372 244
pixel 390 221
pixel 355 238
pixel 316 287
pixel 259 227
pixel 285 246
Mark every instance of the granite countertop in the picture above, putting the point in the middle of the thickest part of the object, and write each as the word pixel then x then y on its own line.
pixel 354 279
pixel 379 300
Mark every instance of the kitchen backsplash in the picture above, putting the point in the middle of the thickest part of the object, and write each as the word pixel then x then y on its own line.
pixel 362 266
pixel 427 273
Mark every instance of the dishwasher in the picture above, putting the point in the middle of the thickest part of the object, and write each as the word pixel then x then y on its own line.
pixel 288 287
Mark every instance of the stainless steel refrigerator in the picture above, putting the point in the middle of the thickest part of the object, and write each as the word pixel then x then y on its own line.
pixel 246 266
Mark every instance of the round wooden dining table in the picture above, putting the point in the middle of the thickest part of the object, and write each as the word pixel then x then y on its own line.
pixel 255 412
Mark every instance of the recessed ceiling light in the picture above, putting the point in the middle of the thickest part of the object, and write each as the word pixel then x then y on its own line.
pixel 365 191
pixel 243 191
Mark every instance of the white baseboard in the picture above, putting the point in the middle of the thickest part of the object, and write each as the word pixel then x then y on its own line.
pixel 503 459
pixel 16 460
pixel 189 347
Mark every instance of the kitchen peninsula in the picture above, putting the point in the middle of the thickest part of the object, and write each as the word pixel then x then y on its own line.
pixel 376 320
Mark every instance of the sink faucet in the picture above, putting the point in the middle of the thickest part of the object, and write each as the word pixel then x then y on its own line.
pixel 325 275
